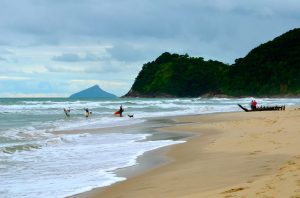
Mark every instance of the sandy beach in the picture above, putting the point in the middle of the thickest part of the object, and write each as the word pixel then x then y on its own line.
pixel 255 154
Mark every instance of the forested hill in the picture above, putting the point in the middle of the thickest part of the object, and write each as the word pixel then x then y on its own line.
pixel 178 75
pixel 270 69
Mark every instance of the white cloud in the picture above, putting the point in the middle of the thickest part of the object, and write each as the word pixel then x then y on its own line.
pixel 32 95
pixel 22 69
pixel 14 78
pixel 65 69
pixel 38 69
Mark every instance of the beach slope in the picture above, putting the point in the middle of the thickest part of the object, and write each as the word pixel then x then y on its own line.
pixel 240 154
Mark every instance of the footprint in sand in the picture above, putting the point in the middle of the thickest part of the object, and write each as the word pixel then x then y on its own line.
pixel 279 131
pixel 254 152
pixel 270 187
pixel 229 196
pixel 291 163
pixel 274 142
pixel 233 190
pixel 295 196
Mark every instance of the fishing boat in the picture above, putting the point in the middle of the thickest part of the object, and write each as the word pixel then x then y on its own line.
pixel 264 108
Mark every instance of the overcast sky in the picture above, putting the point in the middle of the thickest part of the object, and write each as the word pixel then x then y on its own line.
pixel 54 48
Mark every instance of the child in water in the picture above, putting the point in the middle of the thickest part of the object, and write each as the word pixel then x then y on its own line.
pixel 67 112
pixel 87 112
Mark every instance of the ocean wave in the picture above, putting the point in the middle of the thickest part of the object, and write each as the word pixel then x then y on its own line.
pixel 73 166
pixel 47 115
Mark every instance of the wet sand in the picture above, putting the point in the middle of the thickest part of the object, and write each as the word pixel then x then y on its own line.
pixel 255 154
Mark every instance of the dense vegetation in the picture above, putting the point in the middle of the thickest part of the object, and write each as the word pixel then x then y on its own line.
pixel 179 75
pixel 272 68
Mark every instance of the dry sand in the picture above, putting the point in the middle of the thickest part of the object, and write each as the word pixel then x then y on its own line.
pixel 255 154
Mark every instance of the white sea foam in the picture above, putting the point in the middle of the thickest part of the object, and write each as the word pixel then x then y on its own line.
pixel 78 163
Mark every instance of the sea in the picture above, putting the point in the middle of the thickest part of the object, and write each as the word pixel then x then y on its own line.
pixel 44 153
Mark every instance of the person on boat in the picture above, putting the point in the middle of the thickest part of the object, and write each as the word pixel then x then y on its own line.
pixel 67 112
pixel 253 104
pixel 121 110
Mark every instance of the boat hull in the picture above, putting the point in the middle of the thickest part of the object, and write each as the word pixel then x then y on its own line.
pixel 263 108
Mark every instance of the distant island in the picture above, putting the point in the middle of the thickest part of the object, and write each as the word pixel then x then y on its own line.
pixel 271 69
pixel 93 92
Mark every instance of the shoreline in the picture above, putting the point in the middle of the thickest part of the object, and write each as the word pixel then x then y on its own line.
pixel 238 154
pixel 153 159
pixel 149 160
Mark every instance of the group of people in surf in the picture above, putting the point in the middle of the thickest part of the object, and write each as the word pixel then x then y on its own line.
pixel 88 113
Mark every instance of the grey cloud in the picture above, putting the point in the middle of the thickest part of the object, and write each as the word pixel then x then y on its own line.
pixel 108 68
pixel 92 57
pixel 67 58
pixel 94 17
pixel 64 69
pixel 4 42
pixel 70 57
pixel 106 19
pixel 4 51
pixel 186 24
pixel 101 67
pixel 128 53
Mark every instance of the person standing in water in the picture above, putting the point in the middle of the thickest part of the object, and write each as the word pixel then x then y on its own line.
pixel 67 112
pixel 121 111
pixel 87 112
